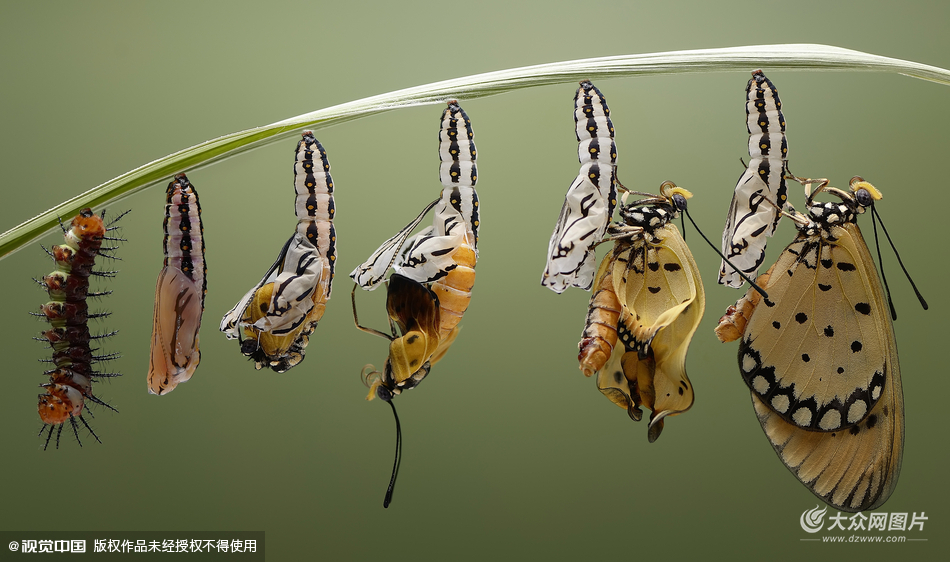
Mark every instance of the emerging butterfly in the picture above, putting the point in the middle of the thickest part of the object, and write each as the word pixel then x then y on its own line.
pixel 590 200
pixel 70 382
pixel 180 291
pixel 820 357
pixel 761 191
pixel 275 318
pixel 434 273
pixel 648 292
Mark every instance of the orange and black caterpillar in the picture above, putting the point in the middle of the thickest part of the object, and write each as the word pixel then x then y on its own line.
pixel 70 382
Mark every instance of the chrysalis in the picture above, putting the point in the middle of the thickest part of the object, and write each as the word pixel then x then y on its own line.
pixel 70 384
pixel 275 318
pixel 433 272
pixel 648 293
pixel 180 291
pixel 761 191
pixel 820 357
pixel 590 200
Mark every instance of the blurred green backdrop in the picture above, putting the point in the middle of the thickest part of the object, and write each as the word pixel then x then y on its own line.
pixel 509 451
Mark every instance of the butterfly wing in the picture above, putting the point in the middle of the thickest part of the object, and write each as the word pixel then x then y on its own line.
pixel 415 309
pixel 613 383
pixel 836 419
pixel 176 320
pixel 761 190
pixel 662 300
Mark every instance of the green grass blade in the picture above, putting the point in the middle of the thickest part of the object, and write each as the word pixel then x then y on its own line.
pixel 772 57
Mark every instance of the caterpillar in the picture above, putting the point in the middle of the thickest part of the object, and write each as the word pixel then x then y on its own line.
pixel 179 292
pixel 275 318
pixel 590 200
pixel 70 383
pixel 433 274
pixel 760 192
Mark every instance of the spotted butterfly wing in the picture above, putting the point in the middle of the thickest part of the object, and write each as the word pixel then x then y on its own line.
pixel 761 191
pixel 590 200
pixel 651 298
pixel 820 358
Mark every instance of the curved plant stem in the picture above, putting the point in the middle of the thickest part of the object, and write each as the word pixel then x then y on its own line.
pixel 786 57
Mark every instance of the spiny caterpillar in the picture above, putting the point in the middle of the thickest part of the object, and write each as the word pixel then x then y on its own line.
pixel 70 384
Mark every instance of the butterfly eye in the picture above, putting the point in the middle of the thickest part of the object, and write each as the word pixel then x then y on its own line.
pixel 384 393
pixel 679 201
pixel 864 197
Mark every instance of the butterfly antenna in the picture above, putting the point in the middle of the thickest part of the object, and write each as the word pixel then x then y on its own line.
pixel 398 460
pixel 711 245
pixel 920 297
pixel 880 262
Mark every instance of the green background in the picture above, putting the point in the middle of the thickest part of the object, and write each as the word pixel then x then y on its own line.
pixel 509 451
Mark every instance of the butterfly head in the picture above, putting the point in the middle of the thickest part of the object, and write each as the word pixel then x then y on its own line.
pixel 865 194
pixel 824 216
pixel 677 196
pixel 655 212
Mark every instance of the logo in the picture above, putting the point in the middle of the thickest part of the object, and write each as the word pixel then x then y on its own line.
pixel 811 519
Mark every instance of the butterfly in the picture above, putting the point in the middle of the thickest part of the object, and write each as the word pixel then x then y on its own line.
pixel 70 382
pixel 433 274
pixel 414 308
pixel 275 318
pixel 179 292
pixel 590 200
pixel 649 295
pixel 820 357
pixel 761 190
pixel 442 256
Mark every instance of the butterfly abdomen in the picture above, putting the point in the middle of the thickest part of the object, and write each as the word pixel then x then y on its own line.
pixel 600 330
pixel 455 289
